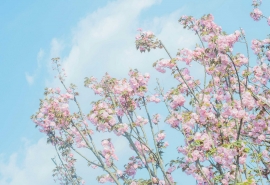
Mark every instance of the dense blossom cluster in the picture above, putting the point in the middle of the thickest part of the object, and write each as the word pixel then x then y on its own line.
pixel 108 152
pixel 146 41
pixel 53 118
pixel 132 166
pixel 102 116
pixel 223 117
pixel 261 48
pixel 257 14
pixel 47 117
pixel 138 82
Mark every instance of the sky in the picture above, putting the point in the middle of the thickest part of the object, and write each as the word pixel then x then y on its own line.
pixel 91 38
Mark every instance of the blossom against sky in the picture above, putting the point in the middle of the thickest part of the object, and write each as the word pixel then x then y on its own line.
pixel 80 32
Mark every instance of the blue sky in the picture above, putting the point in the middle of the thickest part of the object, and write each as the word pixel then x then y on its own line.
pixel 92 37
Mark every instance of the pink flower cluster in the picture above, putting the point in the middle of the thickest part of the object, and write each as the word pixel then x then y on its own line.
pixel 132 166
pixel 186 81
pixel 138 82
pixel 224 43
pixel 80 142
pixel 105 178
pixel 256 46
pixel 177 100
pixel 240 60
pixel 153 98
pixel 102 116
pixel 108 152
pixel 141 147
pixel 122 87
pixel 261 73
pixel 225 156
pixel 185 55
pixel 121 129
pixel 156 118
pixel 161 64
pixel 160 136
pixel 146 41
pixel 169 172
pixel 174 119
pixel 259 46
pixel 256 14
pixel 48 117
pixel 140 121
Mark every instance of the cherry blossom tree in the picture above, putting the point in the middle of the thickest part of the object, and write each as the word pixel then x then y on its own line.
pixel 224 117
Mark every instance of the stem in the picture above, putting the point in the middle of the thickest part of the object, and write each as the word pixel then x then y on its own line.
pixel 247 53
pixel 180 73
pixel 155 143
pixel 239 83
pixel 64 165
pixel 151 173
pixel 93 149
pixel 85 157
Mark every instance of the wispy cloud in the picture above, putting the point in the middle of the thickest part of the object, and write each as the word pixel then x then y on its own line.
pixel 104 41
pixel 35 168
pixel 57 47
pixel 30 78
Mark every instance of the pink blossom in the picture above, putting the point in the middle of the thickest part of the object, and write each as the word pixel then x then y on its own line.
pixel 153 98
pixel 160 136
pixel 185 55
pixel 141 121
pixel 121 129
pixel 178 100
pixel 156 118
pixel 256 14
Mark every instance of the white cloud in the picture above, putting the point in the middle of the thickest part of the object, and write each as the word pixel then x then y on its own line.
pixel 33 165
pixel 104 41
pixel 103 38
pixel 35 168
pixel 56 48
pixel 31 78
